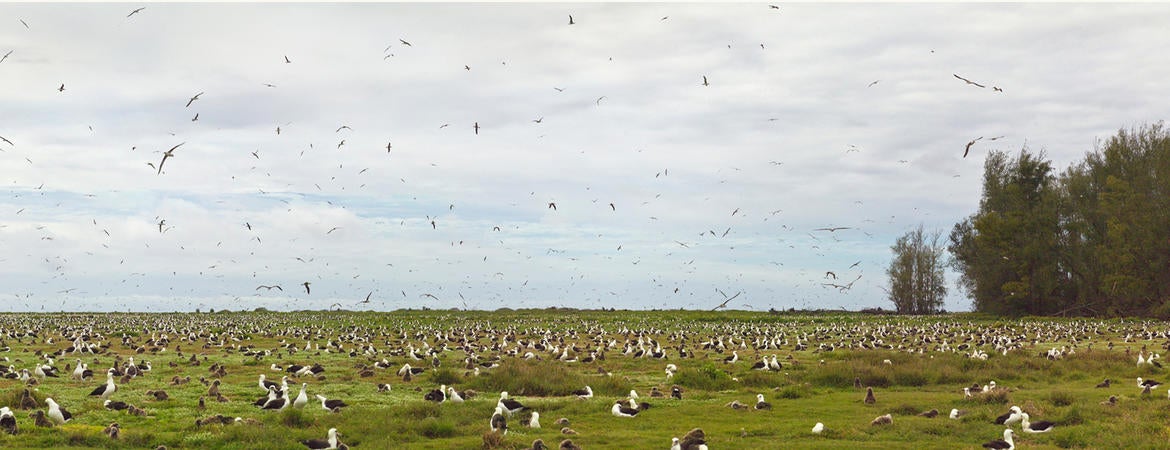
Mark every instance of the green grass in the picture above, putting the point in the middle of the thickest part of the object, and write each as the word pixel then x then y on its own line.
pixel 815 385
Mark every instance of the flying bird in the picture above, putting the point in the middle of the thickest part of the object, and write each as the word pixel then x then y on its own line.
pixel 725 302
pixel 167 154
pixel 62 88
pixel 476 126
pixel 135 12
pixel 5 56
pixel 538 120
pixel 2 138
pixel 705 83
pixel 969 144
pixel 405 43
pixel 832 229
pixel 875 82
pixel 306 285
pixel 286 60
pixel 552 205
pixel 571 20
pixel 196 118
pixel 968 81
pixel 275 286
pixel 773 6
pixel 192 100
pixel 598 102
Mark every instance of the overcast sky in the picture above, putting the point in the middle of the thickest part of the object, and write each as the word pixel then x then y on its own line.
pixel 813 116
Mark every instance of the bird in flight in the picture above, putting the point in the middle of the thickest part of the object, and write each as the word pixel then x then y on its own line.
pixel 192 100
pixel 552 205
pixel 332 230
pixel 286 60
pixel 725 302
pixel 773 6
pixel 22 22
pixel 571 20
pixel 196 118
pixel 387 147
pixel 429 295
pixel 135 12
pixel 996 89
pixel 598 99
pixel 968 81
pixel 538 120
pixel 405 43
pixel 6 56
pixel 167 154
pixel 476 126
pixel 275 286
pixel 343 127
pixel 2 138
pixel 705 83
pixel 875 82
pixel 832 229
pixel 161 223
pixel 367 300
pixel 62 88
pixel 969 144
pixel 612 207
pixel 306 285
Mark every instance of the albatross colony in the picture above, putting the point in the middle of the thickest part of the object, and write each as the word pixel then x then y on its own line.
pixel 508 368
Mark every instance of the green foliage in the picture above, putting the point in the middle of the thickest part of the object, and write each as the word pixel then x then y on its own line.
pixel 917 282
pixel 445 375
pixel 1089 242
pixel 529 378
pixel 706 377
pixel 1061 398
pixel 433 427
pixel 296 418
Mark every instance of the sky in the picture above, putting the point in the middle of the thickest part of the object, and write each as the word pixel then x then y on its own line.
pixel 693 152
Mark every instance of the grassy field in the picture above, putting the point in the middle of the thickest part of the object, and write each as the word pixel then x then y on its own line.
pixel 822 355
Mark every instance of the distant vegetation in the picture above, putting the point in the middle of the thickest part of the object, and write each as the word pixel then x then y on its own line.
pixel 917 284
pixel 1093 240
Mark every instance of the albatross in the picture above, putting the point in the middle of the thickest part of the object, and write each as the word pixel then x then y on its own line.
pixel 106 390
pixel 318 444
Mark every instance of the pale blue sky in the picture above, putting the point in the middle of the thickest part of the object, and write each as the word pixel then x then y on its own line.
pixel 792 132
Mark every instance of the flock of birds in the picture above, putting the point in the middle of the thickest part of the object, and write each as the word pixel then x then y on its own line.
pixel 187 345
pixel 816 240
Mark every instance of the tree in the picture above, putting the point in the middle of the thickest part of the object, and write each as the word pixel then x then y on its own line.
pixel 1008 253
pixel 917 285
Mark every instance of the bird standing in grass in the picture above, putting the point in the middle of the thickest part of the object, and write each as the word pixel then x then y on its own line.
pixel 56 413
pixel 302 399
pixel 869 398
pixel 107 389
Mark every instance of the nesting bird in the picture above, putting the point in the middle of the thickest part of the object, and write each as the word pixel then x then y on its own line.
pixel 499 423
pixel 818 428
pixel 621 410
pixel 319 444
pixel 1002 444
pixel 883 420
pixel 761 404
pixel 112 430
pixel 1043 426
pixel 7 420
pixel 869 399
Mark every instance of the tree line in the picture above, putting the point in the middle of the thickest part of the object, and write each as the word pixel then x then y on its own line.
pixel 1091 240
